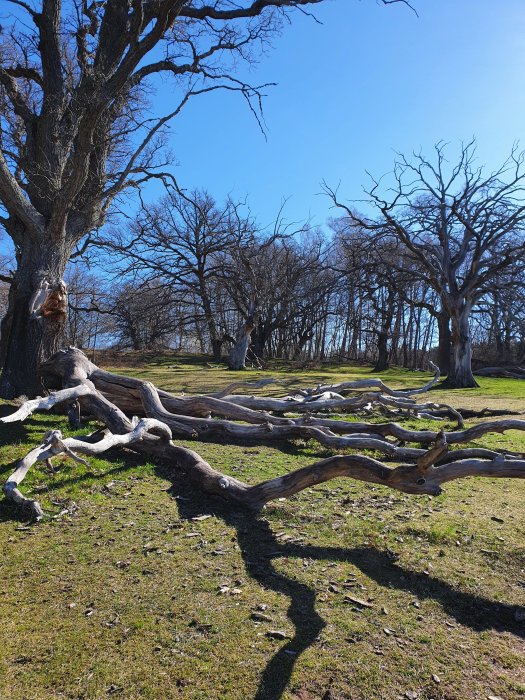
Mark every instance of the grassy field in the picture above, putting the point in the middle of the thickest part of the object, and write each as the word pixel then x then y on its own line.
pixel 136 586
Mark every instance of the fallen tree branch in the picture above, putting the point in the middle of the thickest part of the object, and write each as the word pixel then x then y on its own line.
pixel 512 372
pixel 238 385
pixel 344 387
pixel 53 444
pixel 426 471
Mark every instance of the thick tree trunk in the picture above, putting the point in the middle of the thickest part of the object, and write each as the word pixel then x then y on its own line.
pixel 6 323
pixel 382 352
pixel 444 342
pixel 260 337
pixel 28 341
pixel 216 347
pixel 460 375
pixel 237 358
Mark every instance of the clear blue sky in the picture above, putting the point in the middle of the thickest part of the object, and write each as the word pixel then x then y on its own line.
pixel 370 80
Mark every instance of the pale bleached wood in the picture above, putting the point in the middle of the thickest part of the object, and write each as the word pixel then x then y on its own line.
pixel 54 444
pixel 44 403
pixel 344 387
pixel 425 473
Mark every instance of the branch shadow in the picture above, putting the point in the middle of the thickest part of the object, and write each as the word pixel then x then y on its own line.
pixel 11 433
pixel 260 549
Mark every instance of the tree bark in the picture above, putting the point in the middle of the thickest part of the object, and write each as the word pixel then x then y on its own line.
pixel 216 347
pixel 460 375
pixel 29 341
pixel 6 323
pixel 382 352
pixel 444 342
pixel 237 358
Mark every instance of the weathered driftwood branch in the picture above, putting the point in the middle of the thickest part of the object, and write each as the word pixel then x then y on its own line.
pixel 345 387
pixel 250 385
pixel 53 444
pixel 106 396
pixel 423 477
pixel 125 392
pixel 45 403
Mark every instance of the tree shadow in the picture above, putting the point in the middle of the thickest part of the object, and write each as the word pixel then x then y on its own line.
pixel 260 549
pixel 11 433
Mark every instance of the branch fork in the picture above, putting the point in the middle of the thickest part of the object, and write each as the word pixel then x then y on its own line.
pixel 110 397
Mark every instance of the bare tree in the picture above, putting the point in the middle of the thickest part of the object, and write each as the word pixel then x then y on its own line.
pixel 182 243
pixel 76 130
pixel 463 227
pixel 142 316
pixel 87 304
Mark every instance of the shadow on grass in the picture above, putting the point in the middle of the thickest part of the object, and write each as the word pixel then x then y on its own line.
pixel 260 549
pixel 11 433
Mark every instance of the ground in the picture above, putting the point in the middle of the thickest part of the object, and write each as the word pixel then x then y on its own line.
pixel 137 586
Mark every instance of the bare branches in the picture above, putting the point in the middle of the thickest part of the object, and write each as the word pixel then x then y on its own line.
pixel 424 473
pixel 74 82
pixel 251 10
pixel 17 203
pixel 53 444
pixel 461 227
pixel 45 403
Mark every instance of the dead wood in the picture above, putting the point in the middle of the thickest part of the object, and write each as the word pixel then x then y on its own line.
pixel 511 372
pixel 109 397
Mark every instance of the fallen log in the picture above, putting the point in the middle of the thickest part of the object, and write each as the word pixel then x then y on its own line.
pixel 508 372
pixel 103 395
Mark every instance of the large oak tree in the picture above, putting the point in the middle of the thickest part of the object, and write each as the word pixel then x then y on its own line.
pixel 463 227
pixel 77 129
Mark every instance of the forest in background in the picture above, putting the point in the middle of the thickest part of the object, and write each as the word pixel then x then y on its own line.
pixel 188 272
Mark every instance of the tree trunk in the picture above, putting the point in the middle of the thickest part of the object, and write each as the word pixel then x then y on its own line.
pixel 216 347
pixel 445 341
pixel 6 323
pixel 304 337
pixel 260 337
pixel 28 341
pixel 460 375
pixel 237 357
pixel 382 352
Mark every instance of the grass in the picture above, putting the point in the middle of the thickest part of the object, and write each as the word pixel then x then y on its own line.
pixel 138 586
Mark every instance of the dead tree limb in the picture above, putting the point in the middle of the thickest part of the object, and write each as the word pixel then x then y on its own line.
pixel 418 471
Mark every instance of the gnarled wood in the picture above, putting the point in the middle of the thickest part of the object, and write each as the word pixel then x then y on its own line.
pixel 420 471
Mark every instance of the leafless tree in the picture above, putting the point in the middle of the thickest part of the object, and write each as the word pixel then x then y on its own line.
pixel 182 243
pixel 142 316
pixel 87 302
pixel 462 226
pixel 77 131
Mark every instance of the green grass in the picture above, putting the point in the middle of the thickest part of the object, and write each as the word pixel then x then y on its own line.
pixel 126 591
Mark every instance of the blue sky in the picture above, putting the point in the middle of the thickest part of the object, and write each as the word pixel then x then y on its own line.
pixel 369 81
